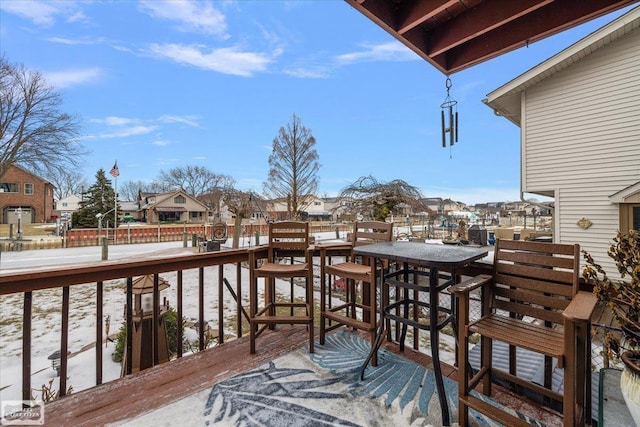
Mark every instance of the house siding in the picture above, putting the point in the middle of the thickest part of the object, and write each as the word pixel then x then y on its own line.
pixel 581 138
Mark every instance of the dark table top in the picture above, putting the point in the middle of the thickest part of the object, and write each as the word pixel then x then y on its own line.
pixel 423 254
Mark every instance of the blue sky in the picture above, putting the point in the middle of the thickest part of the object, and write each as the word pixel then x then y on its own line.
pixel 160 84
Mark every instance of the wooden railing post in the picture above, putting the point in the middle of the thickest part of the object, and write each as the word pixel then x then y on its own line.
pixel 179 313
pixel 99 314
pixel 64 341
pixel 129 314
pixel 26 346
pixel 201 308
pixel 220 304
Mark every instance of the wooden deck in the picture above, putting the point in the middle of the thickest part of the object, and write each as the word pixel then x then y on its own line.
pixel 156 387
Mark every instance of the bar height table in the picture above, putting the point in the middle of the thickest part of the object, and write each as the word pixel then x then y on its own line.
pixel 435 257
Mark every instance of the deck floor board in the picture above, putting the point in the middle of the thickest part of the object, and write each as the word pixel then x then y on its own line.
pixel 128 397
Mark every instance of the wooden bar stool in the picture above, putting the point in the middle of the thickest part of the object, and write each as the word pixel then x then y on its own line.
pixel 289 257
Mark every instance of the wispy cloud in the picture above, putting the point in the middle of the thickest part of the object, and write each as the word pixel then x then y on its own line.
pixel 309 73
pixel 166 162
pixel 392 51
pixel 68 41
pixel 389 52
pixel 63 79
pixel 123 127
pixel 228 60
pixel 115 121
pixel 190 15
pixel 44 13
pixel 187 120
pixel 129 131
pixel 160 142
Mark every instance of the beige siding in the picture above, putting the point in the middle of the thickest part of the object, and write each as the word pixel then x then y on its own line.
pixel 582 138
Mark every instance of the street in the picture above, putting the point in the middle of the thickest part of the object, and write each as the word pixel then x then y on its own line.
pixel 10 261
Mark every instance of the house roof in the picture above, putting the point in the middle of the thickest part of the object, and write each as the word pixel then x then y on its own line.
pixel 14 165
pixel 129 206
pixel 161 198
pixel 505 101
pixel 626 193
pixel 454 34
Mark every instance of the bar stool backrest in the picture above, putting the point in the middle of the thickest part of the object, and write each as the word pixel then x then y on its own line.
pixel 288 239
pixel 367 232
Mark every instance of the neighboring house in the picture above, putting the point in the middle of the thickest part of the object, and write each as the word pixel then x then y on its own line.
pixel 129 210
pixel 26 196
pixel 175 206
pixel 317 210
pixel 66 206
pixel 579 115
pixel 313 210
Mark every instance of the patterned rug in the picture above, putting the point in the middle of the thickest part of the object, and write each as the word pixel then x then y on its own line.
pixel 321 389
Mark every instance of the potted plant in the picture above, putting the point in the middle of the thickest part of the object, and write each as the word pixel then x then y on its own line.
pixel 623 297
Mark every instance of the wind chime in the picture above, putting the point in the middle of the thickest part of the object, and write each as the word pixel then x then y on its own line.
pixel 449 116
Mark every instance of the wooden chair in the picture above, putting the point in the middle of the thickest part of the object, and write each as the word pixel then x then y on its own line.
pixel 531 301
pixel 352 273
pixel 504 233
pixel 288 242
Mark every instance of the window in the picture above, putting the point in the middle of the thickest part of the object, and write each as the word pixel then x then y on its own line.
pixel 65 204
pixel 629 217
pixel 180 199
pixel 9 187
pixel 317 203
pixel 28 188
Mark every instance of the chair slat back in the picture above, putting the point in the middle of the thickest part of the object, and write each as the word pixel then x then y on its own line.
pixel 367 232
pixel 288 239
pixel 535 279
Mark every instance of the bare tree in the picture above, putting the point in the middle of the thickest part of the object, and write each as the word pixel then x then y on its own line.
pixel 375 199
pixel 293 167
pixel 128 190
pixel 67 182
pixel 195 180
pixel 213 197
pixel 33 131
pixel 241 204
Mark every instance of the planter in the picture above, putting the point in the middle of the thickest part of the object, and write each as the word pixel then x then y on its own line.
pixel 630 383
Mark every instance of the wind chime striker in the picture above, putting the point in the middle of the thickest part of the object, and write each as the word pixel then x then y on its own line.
pixel 449 118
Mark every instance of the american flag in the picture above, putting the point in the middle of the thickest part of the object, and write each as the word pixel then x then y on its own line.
pixel 114 170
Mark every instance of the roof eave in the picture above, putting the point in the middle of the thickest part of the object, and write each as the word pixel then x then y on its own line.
pixel 615 29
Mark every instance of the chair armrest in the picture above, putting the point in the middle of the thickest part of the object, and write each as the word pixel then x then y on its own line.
pixel 468 285
pixel 334 247
pixel 581 307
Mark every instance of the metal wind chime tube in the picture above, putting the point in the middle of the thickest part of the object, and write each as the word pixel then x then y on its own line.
pixel 449 118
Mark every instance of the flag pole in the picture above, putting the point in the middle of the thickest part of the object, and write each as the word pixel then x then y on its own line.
pixel 115 216
pixel 115 173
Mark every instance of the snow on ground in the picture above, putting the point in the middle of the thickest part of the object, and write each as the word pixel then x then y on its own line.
pixel 46 318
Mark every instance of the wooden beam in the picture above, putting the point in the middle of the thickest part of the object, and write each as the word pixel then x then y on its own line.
pixel 556 17
pixel 478 21
pixel 410 15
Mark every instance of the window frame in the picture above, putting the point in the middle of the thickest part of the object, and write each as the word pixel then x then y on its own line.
pixel 5 187
pixel 627 216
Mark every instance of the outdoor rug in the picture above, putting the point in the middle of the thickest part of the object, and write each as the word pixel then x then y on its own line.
pixel 321 389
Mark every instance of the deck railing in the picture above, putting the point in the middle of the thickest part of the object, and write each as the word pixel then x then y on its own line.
pixel 68 278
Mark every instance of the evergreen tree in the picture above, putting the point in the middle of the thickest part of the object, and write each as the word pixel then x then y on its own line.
pixel 99 199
